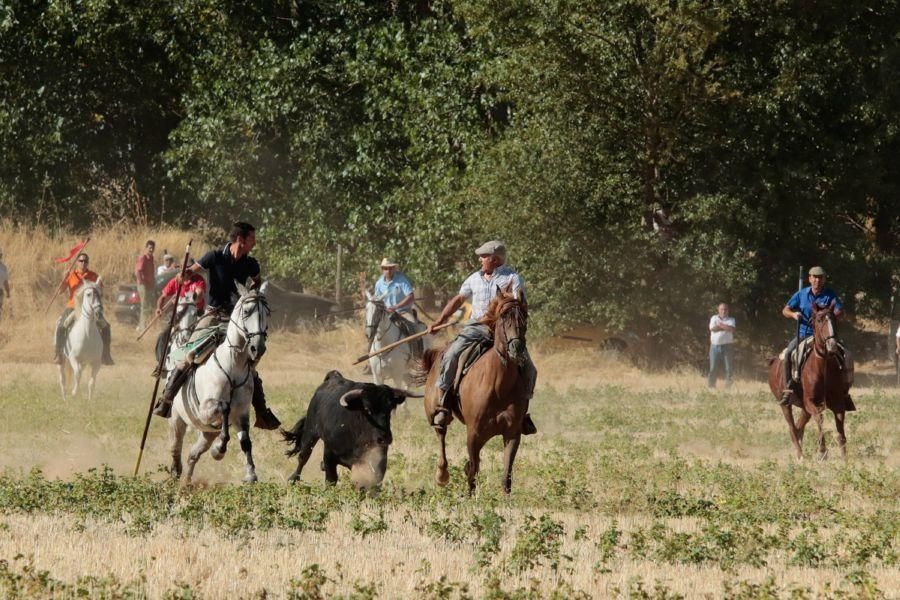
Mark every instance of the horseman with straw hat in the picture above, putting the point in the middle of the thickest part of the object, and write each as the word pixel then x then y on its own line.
pixel 479 288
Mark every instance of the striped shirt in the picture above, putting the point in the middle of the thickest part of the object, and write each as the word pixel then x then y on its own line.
pixel 480 290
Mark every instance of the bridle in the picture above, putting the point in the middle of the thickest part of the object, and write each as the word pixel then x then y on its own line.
pixel 510 310
pixel 822 351
pixel 259 302
pixel 90 310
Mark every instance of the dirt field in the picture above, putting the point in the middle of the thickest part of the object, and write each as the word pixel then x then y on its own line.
pixel 637 485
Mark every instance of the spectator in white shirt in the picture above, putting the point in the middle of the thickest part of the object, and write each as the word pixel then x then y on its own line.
pixel 721 345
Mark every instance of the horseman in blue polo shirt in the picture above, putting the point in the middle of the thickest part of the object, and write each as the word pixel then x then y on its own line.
pixel 799 308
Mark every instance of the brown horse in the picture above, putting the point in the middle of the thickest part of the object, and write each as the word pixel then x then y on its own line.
pixel 823 385
pixel 492 396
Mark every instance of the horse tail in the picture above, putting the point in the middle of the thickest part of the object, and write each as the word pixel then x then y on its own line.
pixel 423 367
pixel 293 437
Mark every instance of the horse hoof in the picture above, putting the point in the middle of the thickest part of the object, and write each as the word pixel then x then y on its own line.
pixel 250 478
pixel 218 452
pixel 442 477
pixel 822 456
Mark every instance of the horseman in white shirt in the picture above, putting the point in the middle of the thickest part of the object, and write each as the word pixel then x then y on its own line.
pixel 480 288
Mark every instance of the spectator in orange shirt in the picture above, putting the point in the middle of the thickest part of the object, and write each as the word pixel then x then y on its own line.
pixel 79 275
pixel 145 273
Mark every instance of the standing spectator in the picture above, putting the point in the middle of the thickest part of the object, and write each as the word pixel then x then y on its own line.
pixel 721 345
pixel 145 272
pixel 4 281
pixel 168 265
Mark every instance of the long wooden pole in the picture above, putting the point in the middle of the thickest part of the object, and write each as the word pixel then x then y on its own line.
pixel 155 318
pixel 66 276
pixel 162 359
pixel 414 336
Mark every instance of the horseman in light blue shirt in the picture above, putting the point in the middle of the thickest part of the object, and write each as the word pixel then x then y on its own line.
pixel 800 308
pixel 394 288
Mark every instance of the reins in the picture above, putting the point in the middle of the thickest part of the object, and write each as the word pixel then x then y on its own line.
pixel 248 336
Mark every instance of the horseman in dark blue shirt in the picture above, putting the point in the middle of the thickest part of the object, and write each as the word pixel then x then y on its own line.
pixel 223 266
pixel 799 308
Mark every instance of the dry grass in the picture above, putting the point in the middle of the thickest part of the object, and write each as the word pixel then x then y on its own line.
pixel 613 439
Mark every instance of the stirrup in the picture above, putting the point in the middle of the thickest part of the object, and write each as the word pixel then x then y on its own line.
pixel 266 419
pixel 786 397
pixel 162 409
pixel 528 427
pixel 439 418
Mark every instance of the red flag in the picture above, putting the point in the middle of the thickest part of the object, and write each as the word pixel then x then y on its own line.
pixel 75 249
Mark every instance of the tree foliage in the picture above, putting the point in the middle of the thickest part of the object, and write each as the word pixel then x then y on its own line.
pixel 643 159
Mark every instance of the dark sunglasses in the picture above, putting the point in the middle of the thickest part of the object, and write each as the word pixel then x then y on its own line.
pixel 83 260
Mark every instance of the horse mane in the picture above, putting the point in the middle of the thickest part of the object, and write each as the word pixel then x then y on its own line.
pixel 495 308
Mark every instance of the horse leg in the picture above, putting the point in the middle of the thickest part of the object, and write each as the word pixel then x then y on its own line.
pixel 93 379
pixel 443 475
pixel 246 448
pixel 823 450
pixel 796 433
pixel 510 447
pixel 177 429
pixel 221 446
pixel 76 378
pixel 204 441
pixel 474 446
pixel 839 425
pixel 62 381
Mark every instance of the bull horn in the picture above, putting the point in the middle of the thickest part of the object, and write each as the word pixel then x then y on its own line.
pixel 351 395
pixel 406 394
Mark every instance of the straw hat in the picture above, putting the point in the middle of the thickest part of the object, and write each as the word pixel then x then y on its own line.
pixel 387 262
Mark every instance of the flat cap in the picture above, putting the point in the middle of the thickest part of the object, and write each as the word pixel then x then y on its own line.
pixel 491 247
pixel 817 271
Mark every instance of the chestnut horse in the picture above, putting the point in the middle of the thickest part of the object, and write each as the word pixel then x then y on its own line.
pixel 492 396
pixel 823 384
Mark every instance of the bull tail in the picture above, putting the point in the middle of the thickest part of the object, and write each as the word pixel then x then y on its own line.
pixel 423 367
pixel 293 437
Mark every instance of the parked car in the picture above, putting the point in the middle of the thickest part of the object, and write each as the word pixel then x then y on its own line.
pixel 128 300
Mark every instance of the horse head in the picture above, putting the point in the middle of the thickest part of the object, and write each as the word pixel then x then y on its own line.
pixel 187 311
pixel 250 321
pixel 89 300
pixel 824 330
pixel 508 318
pixel 374 314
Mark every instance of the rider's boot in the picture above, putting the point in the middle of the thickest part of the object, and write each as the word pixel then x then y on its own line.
pixel 441 414
pixel 59 340
pixel 528 427
pixel 265 418
pixel 106 358
pixel 176 379
pixel 787 382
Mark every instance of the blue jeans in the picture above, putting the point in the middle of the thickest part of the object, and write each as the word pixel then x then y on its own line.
pixel 472 334
pixel 720 354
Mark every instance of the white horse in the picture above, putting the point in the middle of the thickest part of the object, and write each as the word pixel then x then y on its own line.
pixel 218 393
pixel 187 316
pixel 84 346
pixel 381 331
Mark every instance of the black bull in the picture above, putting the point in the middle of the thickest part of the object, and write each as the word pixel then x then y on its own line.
pixel 353 420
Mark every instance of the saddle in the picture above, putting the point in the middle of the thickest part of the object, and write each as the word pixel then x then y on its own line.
pixel 467 358
pixel 806 346
pixel 198 351
pixel 408 328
